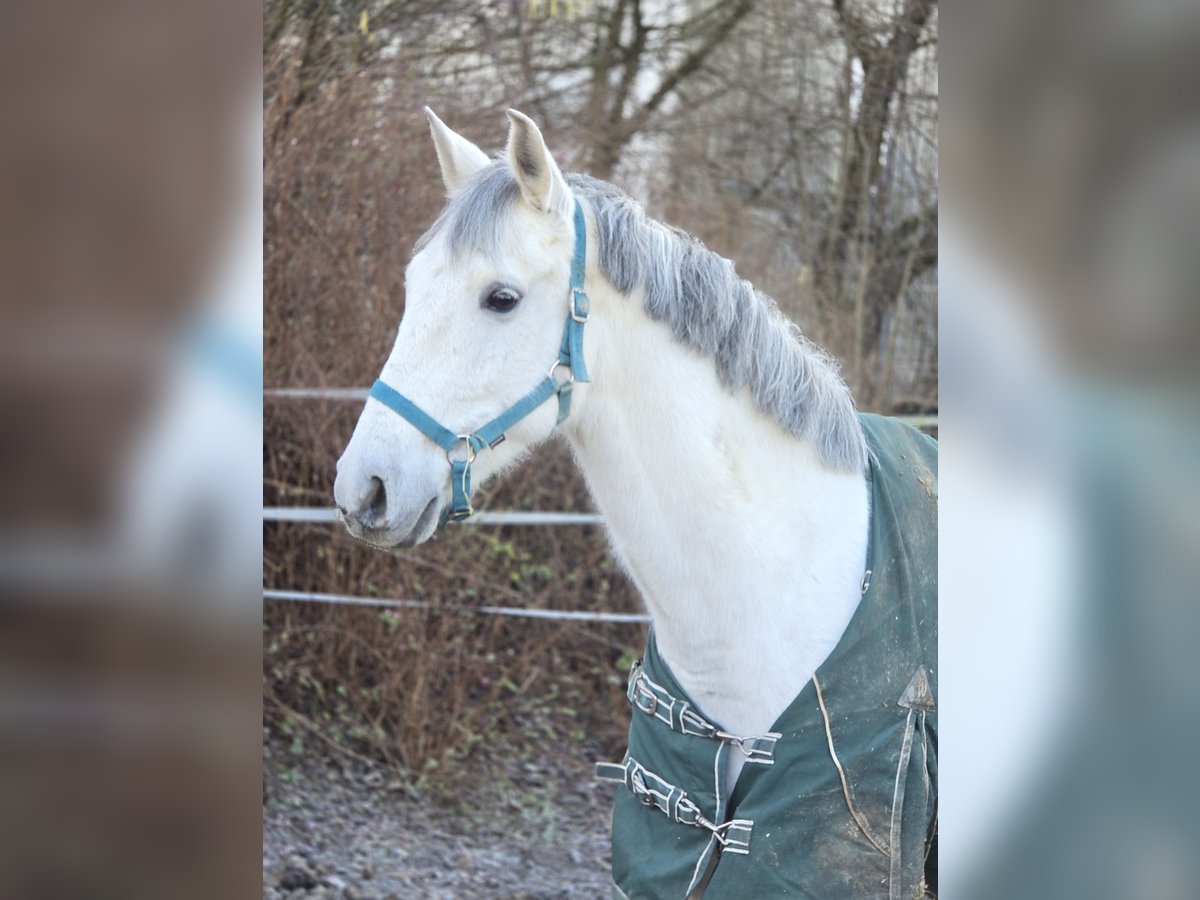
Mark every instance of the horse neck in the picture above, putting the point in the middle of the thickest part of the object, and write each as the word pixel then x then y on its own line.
pixel 749 553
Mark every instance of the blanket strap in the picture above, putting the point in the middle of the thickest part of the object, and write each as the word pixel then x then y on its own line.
pixel 673 802
pixel 657 702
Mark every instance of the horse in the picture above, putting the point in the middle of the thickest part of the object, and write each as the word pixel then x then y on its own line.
pixel 737 483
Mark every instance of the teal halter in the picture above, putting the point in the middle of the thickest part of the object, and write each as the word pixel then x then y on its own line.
pixel 570 357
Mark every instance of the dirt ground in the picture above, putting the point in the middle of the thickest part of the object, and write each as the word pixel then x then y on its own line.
pixel 345 830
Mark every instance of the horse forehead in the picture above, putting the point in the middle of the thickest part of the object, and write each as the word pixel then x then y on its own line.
pixel 523 247
pixel 428 266
pixel 530 229
pixel 517 237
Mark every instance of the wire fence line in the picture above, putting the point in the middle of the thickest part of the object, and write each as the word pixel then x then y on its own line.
pixel 322 515
pixel 304 393
pixel 328 515
pixel 515 612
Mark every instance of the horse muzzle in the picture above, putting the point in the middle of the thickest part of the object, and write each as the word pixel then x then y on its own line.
pixel 377 510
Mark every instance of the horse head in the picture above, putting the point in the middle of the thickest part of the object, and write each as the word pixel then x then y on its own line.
pixel 487 290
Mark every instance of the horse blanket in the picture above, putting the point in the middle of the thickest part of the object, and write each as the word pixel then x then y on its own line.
pixel 839 799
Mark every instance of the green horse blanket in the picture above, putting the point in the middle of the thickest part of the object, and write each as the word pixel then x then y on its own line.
pixel 839 799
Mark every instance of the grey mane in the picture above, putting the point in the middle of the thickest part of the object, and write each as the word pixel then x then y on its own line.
pixel 699 296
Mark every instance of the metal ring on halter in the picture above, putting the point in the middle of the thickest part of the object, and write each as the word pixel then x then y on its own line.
pixel 466 439
pixel 559 364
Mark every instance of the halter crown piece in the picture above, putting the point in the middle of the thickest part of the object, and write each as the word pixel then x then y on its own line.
pixel 570 358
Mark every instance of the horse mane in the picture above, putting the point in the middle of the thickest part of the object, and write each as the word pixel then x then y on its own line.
pixel 698 295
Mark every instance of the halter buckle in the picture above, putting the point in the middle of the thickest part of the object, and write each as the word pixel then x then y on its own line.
pixel 580 305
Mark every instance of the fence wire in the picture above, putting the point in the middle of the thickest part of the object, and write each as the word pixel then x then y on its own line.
pixel 322 515
pixel 327 515
pixel 515 612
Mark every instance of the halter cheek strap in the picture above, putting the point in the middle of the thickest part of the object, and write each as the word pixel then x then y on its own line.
pixel 570 358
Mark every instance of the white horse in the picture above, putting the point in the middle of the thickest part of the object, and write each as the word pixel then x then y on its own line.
pixel 721 446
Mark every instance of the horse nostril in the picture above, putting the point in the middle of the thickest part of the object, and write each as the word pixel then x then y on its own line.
pixel 376 504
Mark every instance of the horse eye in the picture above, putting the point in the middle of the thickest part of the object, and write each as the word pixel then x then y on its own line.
pixel 502 300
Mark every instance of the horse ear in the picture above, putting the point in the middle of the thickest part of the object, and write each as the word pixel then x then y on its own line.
pixel 542 184
pixel 458 157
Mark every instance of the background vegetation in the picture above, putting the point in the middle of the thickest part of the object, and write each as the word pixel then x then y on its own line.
pixel 797 138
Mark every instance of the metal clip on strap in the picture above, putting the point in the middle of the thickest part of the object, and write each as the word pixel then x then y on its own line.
pixel 652 790
pixel 657 702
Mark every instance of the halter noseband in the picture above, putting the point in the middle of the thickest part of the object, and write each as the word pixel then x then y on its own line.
pixel 570 357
